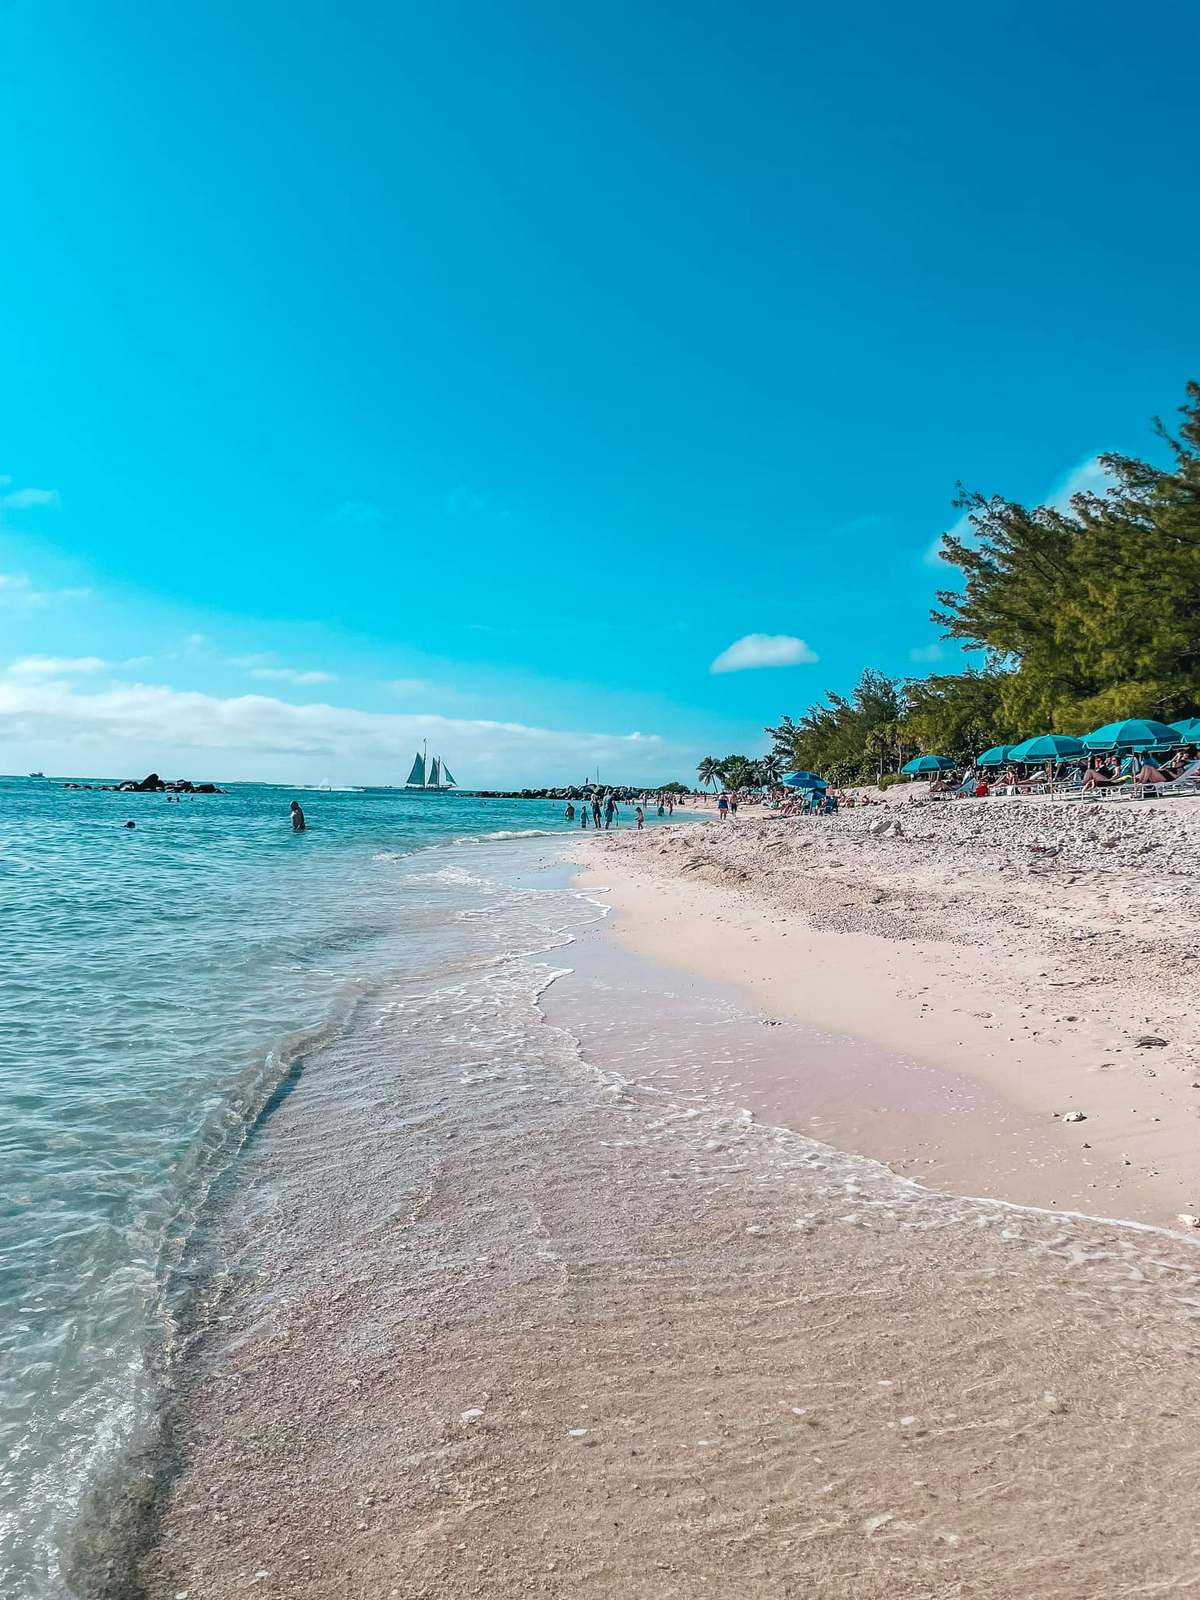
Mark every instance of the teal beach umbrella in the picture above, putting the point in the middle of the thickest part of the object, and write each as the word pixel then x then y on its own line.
pixel 928 764
pixel 1048 747
pixel 995 757
pixel 1135 733
pixel 805 780
pixel 1188 730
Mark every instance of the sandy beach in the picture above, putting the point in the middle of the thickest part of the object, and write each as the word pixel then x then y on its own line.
pixel 599 1316
pixel 1018 961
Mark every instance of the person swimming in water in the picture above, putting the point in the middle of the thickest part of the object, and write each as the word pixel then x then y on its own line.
pixel 298 822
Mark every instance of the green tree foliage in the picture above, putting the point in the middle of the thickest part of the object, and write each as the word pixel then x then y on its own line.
pixel 741 772
pixel 958 716
pixel 1085 614
pixel 738 772
pixel 1094 610
pixel 770 768
pixel 847 740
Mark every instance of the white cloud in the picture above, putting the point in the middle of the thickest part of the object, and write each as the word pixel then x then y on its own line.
pixel 124 727
pixel 29 499
pixel 764 650
pixel 17 590
pixel 292 675
pixel 262 666
pixel 56 666
pixel 1089 477
pixel 962 529
pixel 926 652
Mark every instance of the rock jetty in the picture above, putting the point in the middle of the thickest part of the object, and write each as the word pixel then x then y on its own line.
pixel 151 784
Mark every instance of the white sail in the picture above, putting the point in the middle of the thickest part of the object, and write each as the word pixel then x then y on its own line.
pixel 447 780
pixel 416 777
pixel 435 773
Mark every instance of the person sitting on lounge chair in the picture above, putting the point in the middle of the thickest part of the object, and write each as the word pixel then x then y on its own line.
pixel 1148 772
pixel 1101 775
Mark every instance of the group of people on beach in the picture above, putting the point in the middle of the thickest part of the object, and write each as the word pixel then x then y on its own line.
pixel 605 809
pixel 1098 772
pixel 598 810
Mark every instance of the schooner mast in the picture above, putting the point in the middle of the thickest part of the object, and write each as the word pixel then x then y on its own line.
pixel 427 774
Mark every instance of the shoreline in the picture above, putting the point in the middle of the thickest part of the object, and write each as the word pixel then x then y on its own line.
pixel 563 1318
pixel 952 1059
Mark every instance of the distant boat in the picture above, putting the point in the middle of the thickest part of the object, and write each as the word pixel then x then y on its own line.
pixel 427 774
pixel 37 774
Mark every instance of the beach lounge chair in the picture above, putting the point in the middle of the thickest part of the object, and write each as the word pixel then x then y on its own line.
pixel 1070 787
pixel 1188 782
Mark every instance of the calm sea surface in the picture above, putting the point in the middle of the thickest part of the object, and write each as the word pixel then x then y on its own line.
pixel 157 985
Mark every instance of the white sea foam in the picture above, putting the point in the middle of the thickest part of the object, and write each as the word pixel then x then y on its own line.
pixel 509 833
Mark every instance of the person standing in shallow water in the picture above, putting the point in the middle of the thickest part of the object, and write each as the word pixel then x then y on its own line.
pixel 596 811
pixel 298 822
pixel 583 814
pixel 641 817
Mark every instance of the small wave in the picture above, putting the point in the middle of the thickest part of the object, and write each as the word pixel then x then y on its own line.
pixel 509 833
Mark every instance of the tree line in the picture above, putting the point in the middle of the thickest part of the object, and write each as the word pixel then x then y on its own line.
pixel 1084 615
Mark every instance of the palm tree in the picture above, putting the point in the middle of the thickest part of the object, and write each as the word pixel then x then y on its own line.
pixel 770 768
pixel 709 771
pixel 737 772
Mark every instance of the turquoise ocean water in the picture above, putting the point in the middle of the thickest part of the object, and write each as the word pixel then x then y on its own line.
pixel 157 985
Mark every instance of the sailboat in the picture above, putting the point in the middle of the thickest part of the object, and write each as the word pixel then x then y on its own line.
pixel 428 774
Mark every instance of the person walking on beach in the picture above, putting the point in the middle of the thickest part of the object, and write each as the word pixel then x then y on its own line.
pixel 733 803
pixel 298 822
pixel 641 817
pixel 723 806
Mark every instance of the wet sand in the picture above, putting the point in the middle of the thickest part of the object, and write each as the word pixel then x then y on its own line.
pixel 1028 959
pixel 593 1329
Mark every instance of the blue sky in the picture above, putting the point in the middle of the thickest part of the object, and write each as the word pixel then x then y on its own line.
pixel 390 371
